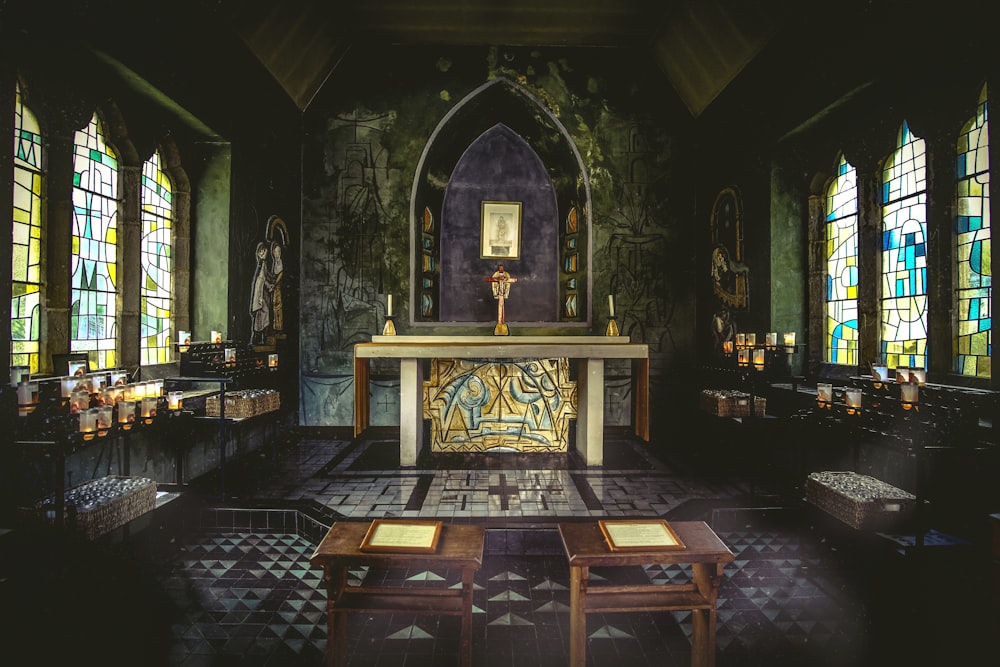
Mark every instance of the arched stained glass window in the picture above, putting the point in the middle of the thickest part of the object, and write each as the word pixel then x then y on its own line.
pixel 156 259
pixel 26 255
pixel 904 253
pixel 841 221
pixel 93 268
pixel 974 293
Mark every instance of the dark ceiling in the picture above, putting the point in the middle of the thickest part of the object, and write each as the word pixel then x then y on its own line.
pixel 700 45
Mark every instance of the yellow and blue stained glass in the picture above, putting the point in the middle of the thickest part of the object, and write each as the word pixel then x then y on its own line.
pixel 156 262
pixel 974 290
pixel 842 266
pixel 26 250
pixel 94 255
pixel 904 253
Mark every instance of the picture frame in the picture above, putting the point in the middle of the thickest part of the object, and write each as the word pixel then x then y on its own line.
pixel 402 536
pixel 500 233
pixel 640 535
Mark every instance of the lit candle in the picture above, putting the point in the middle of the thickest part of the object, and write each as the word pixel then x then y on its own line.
pixel 216 336
pixel 743 358
pixel 126 412
pixel 918 375
pixel 909 394
pixel 852 396
pixel 611 305
pixel 175 400
pixel 790 339
pixel 388 305
pixel 741 340
pixel 751 339
pixel 771 339
pixel 727 347
pixel 88 422
pixel 902 374
pixel 272 360
pixel 824 393
pixel 758 359
pixel 26 397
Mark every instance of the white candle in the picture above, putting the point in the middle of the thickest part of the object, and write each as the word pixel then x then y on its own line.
pixel 611 305
pixel 388 305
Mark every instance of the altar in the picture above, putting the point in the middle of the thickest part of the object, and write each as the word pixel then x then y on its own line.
pixel 588 353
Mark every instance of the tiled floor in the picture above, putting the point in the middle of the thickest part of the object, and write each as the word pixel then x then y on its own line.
pixel 801 592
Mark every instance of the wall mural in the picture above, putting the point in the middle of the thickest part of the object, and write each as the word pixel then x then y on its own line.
pixel 267 299
pixel 617 193
pixel 348 262
pixel 730 277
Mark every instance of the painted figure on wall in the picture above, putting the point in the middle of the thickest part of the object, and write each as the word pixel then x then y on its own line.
pixel 729 283
pixel 730 277
pixel 261 296
pixel 267 298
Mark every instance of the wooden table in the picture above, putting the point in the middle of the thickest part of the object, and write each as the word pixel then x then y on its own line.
pixel 586 548
pixel 589 352
pixel 459 546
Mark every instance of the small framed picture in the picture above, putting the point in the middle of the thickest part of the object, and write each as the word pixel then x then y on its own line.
pixel 402 536
pixel 639 535
pixel 500 237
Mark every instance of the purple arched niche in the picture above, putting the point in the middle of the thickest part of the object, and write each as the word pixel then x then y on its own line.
pixel 499 166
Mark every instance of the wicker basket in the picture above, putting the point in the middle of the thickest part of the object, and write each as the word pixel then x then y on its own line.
pixel 730 403
pixel 101 505
pixel 245 403
pixel 860 501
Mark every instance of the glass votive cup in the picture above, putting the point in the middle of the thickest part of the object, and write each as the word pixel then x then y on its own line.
pixel 148 407
pixel 79 401
pixel 88 422
pixel 104 415
pixel 852 397
pixel 19 374
pixel 126 412
pixel 824 394
pixel 175 399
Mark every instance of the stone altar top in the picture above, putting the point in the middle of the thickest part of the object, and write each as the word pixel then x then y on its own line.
pixel 502 347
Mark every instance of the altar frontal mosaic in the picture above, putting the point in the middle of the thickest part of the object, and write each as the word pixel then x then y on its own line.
pixel 477 406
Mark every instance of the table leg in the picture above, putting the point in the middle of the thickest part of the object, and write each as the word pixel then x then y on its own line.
pixel 336 623
pixel 640 398
pixel 362 408
pixel 707 578
pixel 411 410
pixel 578 616
pixel 590 411
pixel 466 641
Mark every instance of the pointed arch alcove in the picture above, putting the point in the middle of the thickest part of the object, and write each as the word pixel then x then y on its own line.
pixel 500 144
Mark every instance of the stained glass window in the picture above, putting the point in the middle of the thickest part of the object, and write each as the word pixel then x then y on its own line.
pixel 156 259
pixel 842 266
pixel 93 268
pixel 904 253
pixel 974 293
pixel 26 279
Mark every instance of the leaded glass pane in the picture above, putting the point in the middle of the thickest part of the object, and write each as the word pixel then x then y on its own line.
pixel 904 254
pixel 93 262
pixel 157 264
pixel 842 266
pixel 974 291
pixel 26 249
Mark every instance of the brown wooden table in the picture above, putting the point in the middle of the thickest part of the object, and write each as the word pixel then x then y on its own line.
pixel 459 546
pixel 586 548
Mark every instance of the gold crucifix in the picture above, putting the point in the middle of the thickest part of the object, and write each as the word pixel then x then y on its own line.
pixel 500 282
